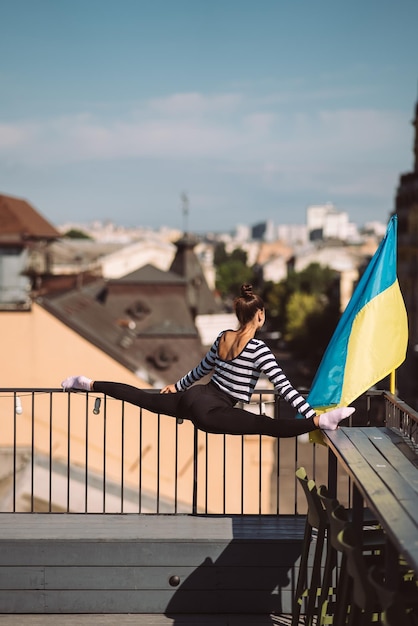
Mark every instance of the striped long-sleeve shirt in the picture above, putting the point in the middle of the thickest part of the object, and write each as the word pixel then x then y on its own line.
pixel 238 376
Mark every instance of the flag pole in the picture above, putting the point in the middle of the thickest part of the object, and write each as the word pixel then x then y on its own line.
pixel 392 382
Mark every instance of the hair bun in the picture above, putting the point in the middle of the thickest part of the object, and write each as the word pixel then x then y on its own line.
pixel 247 291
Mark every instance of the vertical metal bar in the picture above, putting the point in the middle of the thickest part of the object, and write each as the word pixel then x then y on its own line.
pixel 314 468
pixel 68 450
pixel 158 459
pixel 224 476
pixel 260 458
pixel 86 459
pixel 50 455
pixel 242 475
pixel 260 477
pixel 176 466
pixel 277 442
pixel 295 467
pixel 32 478
pixel 122 453
pixel 14 451
pixel 350 491
pixel 140 463
pixel 277 457
pixel 332 474
pixel 104 451
pixel 194 496
pixel 368 412
pixel 206 472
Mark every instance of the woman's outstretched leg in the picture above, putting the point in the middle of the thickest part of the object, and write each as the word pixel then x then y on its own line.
pixel 240 422
pixel 215 414
pixel 150 400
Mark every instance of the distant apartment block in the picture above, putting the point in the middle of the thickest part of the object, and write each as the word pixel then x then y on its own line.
pixel 293 234
pixel 324 222
pixel 24 237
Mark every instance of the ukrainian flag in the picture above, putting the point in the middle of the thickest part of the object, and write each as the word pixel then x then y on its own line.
pixel 371 337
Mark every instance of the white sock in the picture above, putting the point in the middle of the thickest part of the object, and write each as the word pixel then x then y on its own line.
pixel 331 419
pixel 77 382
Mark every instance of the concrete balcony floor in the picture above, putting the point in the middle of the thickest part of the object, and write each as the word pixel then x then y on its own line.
pixel 96 570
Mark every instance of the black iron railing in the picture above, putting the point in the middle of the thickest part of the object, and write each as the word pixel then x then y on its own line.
pixel 88 453
pixel 399 415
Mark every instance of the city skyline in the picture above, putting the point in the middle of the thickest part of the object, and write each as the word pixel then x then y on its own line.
pixel 272 228
pixel 111 110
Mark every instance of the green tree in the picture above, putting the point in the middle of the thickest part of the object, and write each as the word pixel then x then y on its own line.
pixel 75 233
pixel 230 276
pixel 276 295
pixel 299 307
pixel 220 254
pixel 315 278
pixel 239 255
pixel 232 271
pixel 305 309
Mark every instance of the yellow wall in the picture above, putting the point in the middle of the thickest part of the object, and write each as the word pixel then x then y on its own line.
pixel 40 351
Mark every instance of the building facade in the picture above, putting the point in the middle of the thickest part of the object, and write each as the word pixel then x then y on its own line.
pixel 406 208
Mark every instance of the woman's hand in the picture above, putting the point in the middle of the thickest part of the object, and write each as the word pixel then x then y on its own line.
pixel 169 389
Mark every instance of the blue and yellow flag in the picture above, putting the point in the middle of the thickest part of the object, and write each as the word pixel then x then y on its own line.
pixel 371 337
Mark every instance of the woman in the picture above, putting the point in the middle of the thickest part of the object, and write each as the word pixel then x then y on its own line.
pixel 236 360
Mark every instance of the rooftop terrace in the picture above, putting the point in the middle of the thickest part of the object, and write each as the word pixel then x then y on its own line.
pixel 102 525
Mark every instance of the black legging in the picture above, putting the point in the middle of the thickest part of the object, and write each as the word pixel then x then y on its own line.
pixel 209 408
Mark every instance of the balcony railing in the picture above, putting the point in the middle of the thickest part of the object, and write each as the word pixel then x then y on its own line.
pixel 88 453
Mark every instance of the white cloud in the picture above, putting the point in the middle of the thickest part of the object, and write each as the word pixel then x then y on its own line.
pixel 363 129
pixel 14 135
pixel 195 104
pixel 259 123
pixel 345 151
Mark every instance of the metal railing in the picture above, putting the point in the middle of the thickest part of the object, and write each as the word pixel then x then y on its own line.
pixel 88 453
pixel 399 415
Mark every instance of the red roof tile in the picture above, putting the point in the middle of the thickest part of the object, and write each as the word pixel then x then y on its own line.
pixel 19 221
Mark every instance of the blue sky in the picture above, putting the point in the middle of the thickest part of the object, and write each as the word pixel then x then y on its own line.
pixel 110 109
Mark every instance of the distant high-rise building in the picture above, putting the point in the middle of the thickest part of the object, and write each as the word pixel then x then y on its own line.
pixel 325 222
pixel 264 231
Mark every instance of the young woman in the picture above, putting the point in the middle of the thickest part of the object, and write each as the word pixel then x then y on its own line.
pixel 236 360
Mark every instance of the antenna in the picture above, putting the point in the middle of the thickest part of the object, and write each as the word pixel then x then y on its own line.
pixel 185 209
